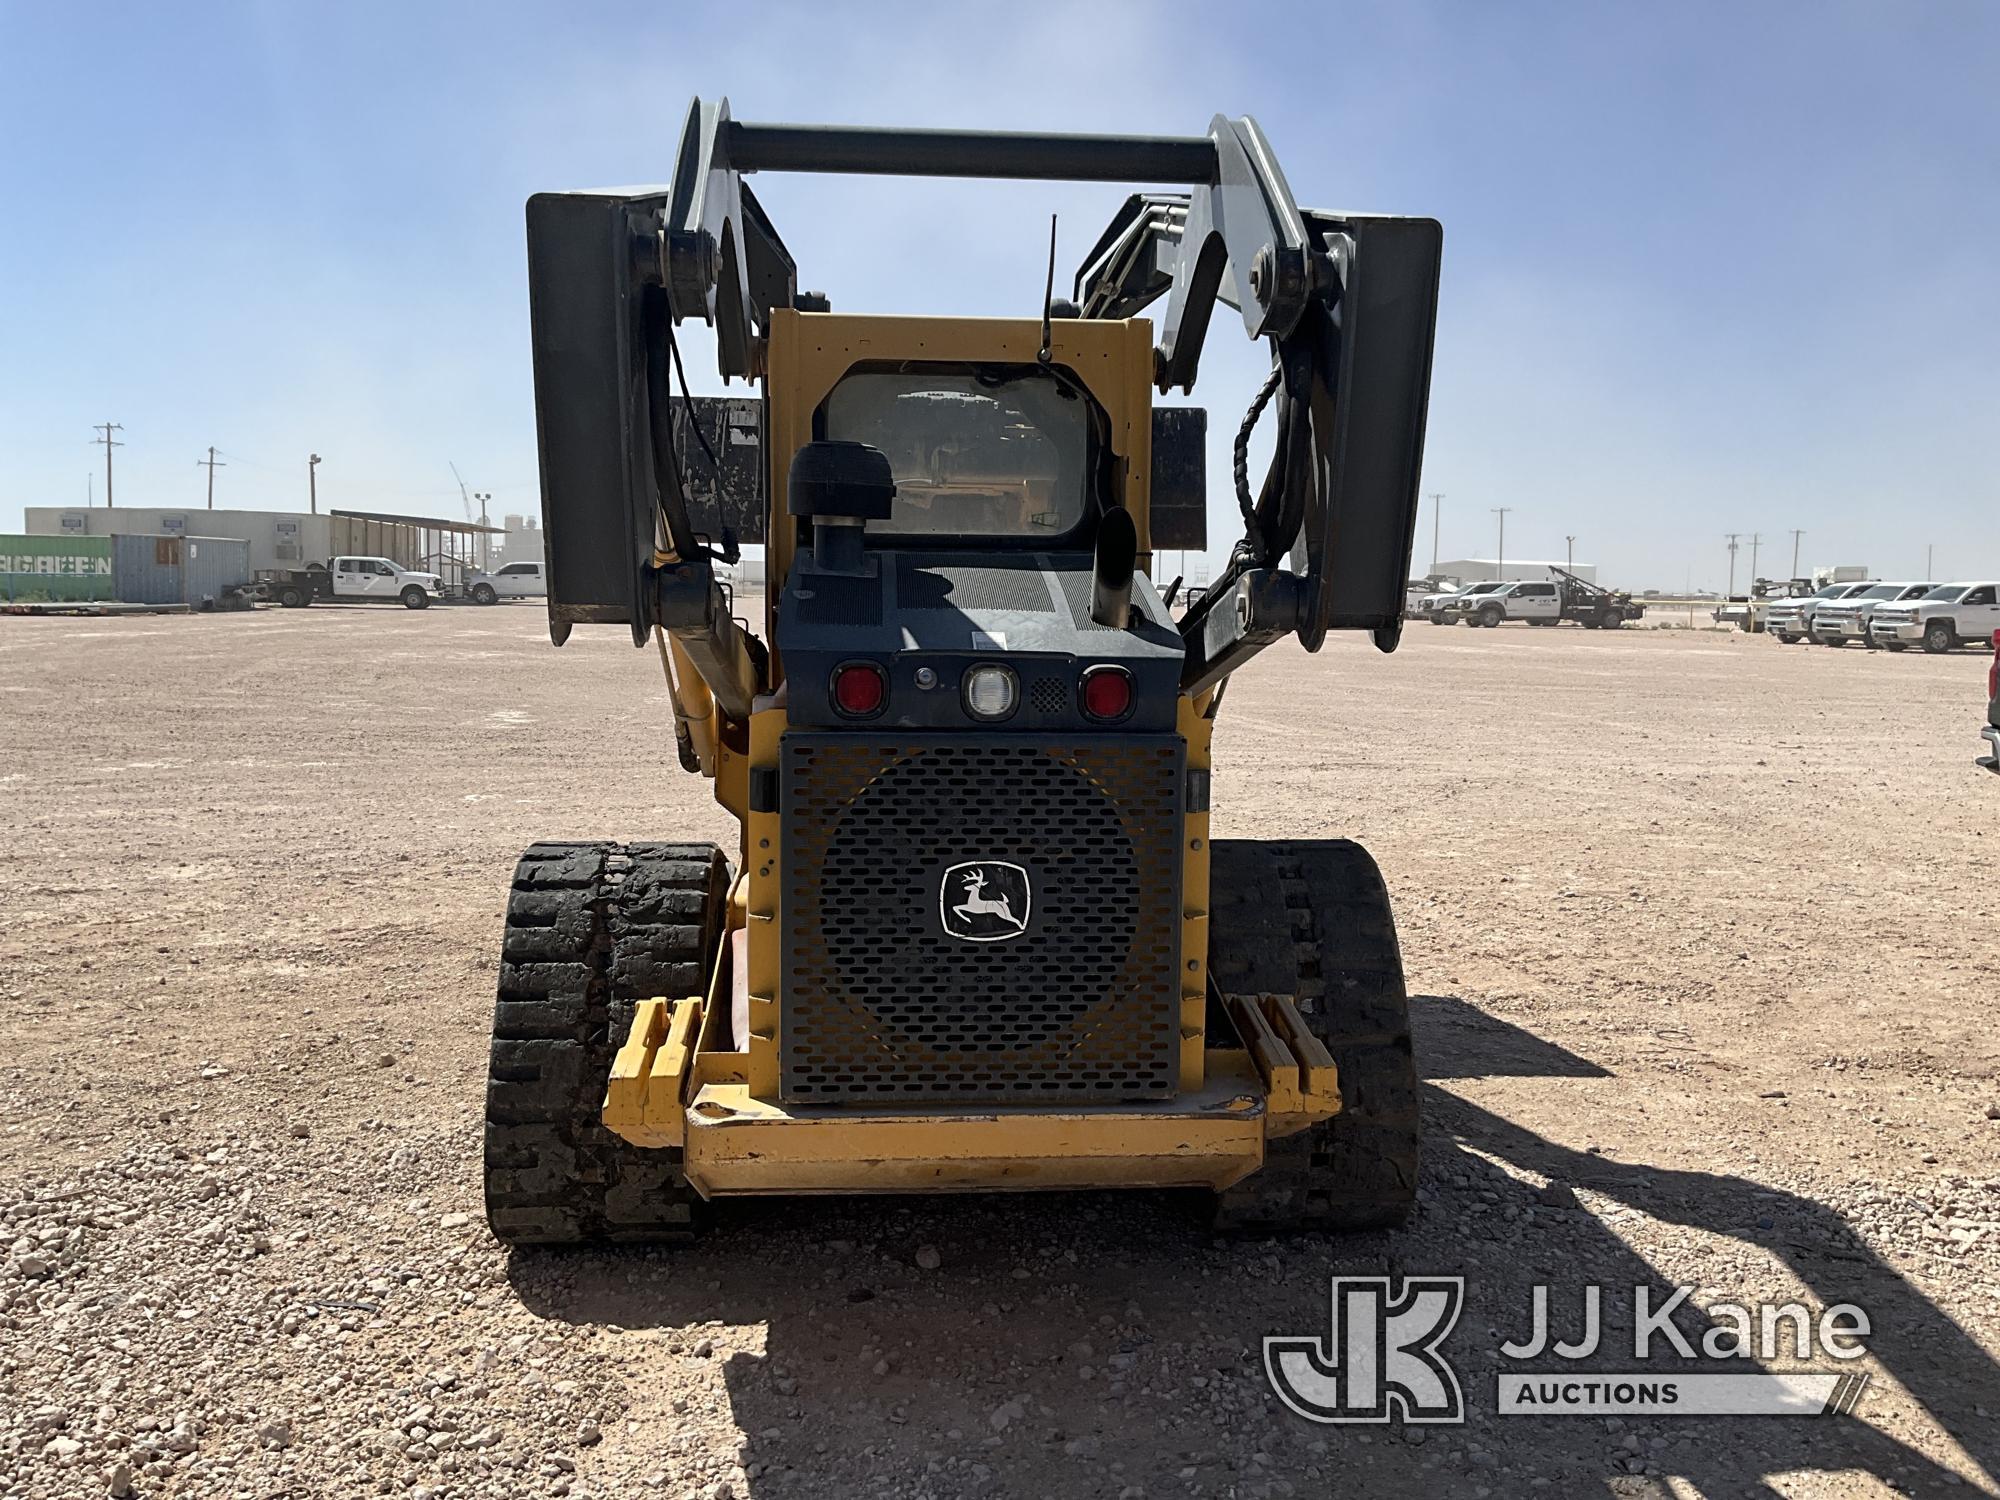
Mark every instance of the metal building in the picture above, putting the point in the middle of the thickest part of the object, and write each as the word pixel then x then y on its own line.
pixel 285 539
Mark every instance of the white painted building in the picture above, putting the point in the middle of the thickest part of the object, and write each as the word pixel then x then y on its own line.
pixel 277 539
pixel 1533 570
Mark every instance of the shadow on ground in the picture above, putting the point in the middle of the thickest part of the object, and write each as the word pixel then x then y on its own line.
pixel 1087 1344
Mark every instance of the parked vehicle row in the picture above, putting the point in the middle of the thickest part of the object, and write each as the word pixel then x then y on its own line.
pixel 1940 617
pixel 382 580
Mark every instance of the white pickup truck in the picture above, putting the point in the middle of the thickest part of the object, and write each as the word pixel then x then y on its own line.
pixel 1436 607
pixel 1838 621
pixel 358 579
pixel 380 579
pixel 1790 620
pixel 1952 614
pixel 514 580
pixel 1537 603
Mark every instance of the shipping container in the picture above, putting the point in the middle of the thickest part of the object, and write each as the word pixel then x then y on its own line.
pixel 198 571
pixel 55 569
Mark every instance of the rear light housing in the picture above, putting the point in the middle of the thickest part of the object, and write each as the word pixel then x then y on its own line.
pixel 1993 671
pixel 1106 694
pixel 990 692
pixel 858 689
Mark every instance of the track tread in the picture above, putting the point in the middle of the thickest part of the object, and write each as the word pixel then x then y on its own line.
pixel 591 930
pixel 1311 918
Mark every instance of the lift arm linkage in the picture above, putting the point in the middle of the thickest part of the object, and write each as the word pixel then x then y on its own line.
pixel 1348 303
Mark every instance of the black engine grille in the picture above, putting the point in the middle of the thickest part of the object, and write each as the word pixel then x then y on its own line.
pixel 882 1003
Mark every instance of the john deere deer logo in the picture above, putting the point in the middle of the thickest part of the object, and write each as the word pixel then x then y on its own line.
pixel 985 901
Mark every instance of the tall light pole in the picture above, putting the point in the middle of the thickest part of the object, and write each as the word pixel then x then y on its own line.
pixel 1500 562
pixel 1730 591
pixel 1929 548
pixel 1796 534
pixel 1437 520
pixel 1570 542
pixel 485 541
pixel 312 481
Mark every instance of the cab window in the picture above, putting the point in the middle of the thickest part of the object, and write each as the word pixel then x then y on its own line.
pixel 990 451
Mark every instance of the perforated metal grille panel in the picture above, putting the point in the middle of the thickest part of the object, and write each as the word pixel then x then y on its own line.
pixel 894 991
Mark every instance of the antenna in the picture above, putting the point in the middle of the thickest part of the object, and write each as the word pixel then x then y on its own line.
pixel 1049 299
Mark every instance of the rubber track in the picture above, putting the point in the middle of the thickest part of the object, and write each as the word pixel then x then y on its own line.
pixel 591 930
pixel 1311 918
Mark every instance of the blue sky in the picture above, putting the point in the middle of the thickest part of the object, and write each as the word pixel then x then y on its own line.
pixel 1708 268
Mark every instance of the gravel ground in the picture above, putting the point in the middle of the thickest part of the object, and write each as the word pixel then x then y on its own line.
pixel 1702 929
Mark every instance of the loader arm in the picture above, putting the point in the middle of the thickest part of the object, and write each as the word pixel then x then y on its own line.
pixel 1347 302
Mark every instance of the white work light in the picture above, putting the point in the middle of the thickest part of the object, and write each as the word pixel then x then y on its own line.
pixel 990 691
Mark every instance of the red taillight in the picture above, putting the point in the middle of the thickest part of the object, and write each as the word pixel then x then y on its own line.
pixel 1107 692
pixel 858 689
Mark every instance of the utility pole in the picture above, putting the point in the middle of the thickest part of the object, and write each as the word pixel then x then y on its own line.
pixel 1929 548
pixel 1732 535
pixel 1437 520
pixel 107 428
pixel 1754 540
pixel 1795 551
pixel 1501 561
pixel 89 490
pixel 312 481
pixel 486 542
pixel 1570 542
pixel 211 463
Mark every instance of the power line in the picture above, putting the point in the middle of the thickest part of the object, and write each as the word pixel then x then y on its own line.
pixel 364 483
pixel 211 465
pixel 107 428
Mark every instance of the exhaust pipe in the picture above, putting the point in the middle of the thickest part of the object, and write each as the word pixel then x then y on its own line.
pixel 1111 569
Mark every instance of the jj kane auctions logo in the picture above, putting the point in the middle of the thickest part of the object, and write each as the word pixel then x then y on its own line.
pixel 1381 1359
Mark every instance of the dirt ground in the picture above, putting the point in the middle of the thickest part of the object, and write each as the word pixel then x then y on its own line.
pixel 1703 931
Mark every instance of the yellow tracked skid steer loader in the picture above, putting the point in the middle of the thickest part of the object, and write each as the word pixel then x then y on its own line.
pixel 976 935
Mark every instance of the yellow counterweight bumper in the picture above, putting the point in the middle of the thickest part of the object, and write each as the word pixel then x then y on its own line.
pixel 734 1144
